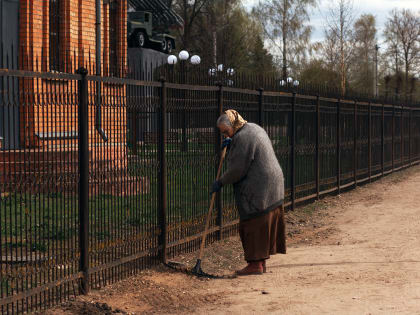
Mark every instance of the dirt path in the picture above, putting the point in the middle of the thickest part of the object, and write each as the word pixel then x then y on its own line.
pixel 370 266
pixel 358 253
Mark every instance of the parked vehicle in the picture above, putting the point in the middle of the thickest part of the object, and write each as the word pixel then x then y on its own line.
pixel 142 33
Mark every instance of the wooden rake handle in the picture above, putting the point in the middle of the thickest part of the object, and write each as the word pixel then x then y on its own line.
pixel 213 197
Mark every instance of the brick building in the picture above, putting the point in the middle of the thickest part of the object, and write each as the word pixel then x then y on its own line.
pixel 41 122
pixel 60 36
pixel 57 31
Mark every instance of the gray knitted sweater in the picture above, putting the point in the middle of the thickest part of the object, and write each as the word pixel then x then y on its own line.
pixel 254 171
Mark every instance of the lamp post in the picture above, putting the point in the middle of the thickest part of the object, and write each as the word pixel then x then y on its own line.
pixel 194 60
pixel 376 71
pixel 221 76
pixel 289 82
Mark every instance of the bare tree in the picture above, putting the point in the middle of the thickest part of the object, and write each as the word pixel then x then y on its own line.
pixel 339 30
pixel 365 52
pixel 402 33
pixel 189 11
pixel 217 30
pixel 218 14
pixel 329 51
pixel 283 24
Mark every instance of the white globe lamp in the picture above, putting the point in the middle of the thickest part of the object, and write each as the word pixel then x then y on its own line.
pixel 212 71
pixel 230 71
pixel 220 68
pixel 289 80
pixel 172 59
pixel 282 83
pixel 296 83
pixel 183 55
pixel 195 60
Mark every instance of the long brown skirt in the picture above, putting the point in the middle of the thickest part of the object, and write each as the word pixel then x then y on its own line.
pixel 264 236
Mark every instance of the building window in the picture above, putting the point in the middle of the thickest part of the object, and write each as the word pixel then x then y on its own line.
pixel 113 38
pixel 55 25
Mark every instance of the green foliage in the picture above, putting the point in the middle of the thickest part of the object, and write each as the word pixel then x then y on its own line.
pixel 224 33
pixel 5 286
pixel 261 61
pixel 317 73
pixel 41 247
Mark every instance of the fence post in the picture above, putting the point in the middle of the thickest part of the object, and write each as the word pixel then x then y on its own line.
pixel 317 149
pixel 383 140
pixel 370 141
pixel 162 173
pixel 83 122
pixel 355 144
pixel 261 107
pixel 393 140
pixel 293 166
pixel 402 136
pixel 338 147
pixel 218 151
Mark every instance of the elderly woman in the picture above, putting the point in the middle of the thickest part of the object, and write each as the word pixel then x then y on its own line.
pixel 258 183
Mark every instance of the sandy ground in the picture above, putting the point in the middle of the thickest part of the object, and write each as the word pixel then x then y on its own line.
pixel 357 253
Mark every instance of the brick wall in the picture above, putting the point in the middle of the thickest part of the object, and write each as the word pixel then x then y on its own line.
pixel 42 111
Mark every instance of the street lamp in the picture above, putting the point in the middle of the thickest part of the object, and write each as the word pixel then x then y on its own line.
pixel 194 60
pixel 289 81
pixel 376 83
pixel 221 75
pixel 230 71
pixel 172 59
pixel 183 55
pixel 212 72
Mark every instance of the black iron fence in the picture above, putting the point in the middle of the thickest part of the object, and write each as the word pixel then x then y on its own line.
pixel 81 207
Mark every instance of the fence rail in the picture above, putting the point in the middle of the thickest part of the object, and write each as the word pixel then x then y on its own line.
pixel 80 210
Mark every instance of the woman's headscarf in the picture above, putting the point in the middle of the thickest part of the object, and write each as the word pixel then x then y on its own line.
pixel 235 119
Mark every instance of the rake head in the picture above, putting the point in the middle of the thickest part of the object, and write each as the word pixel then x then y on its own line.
pixel 197 271
pixel 176 265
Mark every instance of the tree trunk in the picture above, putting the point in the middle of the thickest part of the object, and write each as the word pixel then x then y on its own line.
pixel 185 35
pixel 342 61
pixel 284 33
pixel 407 68
pixel 215 47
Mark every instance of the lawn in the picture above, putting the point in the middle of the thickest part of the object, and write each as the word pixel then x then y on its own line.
pixel 44 221
pixel 39 222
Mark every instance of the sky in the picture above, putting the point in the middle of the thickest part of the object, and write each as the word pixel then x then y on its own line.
pixel 379 8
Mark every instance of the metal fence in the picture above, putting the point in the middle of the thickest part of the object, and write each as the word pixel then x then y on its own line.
pixel 94 189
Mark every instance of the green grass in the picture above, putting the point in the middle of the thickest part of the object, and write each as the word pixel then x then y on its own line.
pixel 5 287
pixel 36 220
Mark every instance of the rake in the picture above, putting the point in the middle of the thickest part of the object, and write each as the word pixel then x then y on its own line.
pixel 197 270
